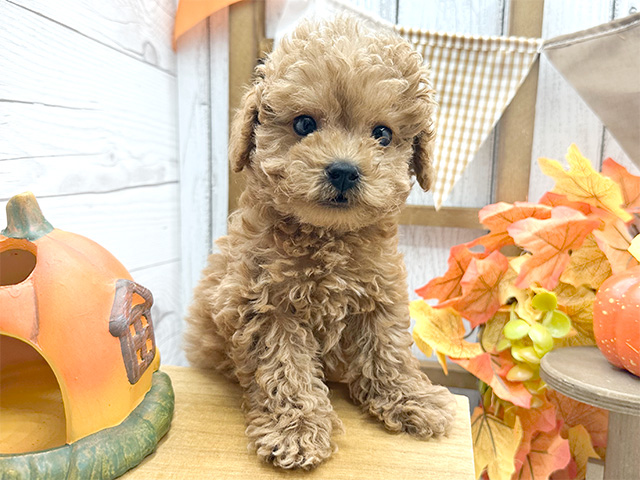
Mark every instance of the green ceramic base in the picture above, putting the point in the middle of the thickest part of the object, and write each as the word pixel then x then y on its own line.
pixel 106 454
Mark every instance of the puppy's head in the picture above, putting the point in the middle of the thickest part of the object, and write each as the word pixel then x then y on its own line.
pixel 338 120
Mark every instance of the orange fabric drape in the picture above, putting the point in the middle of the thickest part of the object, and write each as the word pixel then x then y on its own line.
pixel 192 12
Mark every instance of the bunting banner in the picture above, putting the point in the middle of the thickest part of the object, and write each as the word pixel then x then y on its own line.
pixel 192 12
pixel 603 65
pixel 475 79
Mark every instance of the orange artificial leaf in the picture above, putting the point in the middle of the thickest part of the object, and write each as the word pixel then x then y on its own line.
pixel 550 242
pixel 442 330
pixel 570 472
pixel 480 289
pixel 534 420
pixel 556 200
pixel 594 420
pixel 581 448
pixel 614 240
pixel 498 216
pixel 629 184
pixel 448 286
pixel 494 445
pixel 581 183
pixel 588 266
pixel 492 370
pixel 549 452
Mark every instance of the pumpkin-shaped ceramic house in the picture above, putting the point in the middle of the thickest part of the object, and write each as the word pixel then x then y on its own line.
pixel 77 355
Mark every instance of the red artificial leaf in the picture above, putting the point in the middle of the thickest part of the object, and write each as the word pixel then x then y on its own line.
pixel 573 413
pixel 492 370
pixel 448 286
pixel 614 240
pixel 549 452
pixel 629 184
pixel 499 216
pixel 550 242
pixel 480 289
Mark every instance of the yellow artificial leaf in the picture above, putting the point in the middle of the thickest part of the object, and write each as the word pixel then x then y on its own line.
pixel 442 330
pixel 581 183
pixel 581 448
pixel 492 330
pixel 634 248
pixel 588 266
pixel 494 445
pixel 421 344
pixel 442 360
pixel 577 303
pixel 508 290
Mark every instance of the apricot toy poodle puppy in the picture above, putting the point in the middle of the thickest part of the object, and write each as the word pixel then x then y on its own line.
pixel 309 283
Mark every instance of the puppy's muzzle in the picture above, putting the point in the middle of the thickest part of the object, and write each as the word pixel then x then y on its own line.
pixel 343 176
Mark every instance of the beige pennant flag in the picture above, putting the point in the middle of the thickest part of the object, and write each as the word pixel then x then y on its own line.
pixel 603 65
pixel 475 79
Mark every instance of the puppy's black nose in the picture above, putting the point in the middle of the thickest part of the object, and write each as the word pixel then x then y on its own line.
pixel 342 175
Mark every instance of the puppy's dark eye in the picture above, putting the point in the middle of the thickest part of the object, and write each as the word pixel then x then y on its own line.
pixel 304 125
pixel 382 134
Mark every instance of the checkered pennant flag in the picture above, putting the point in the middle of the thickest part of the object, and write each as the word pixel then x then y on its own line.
pixel 475 79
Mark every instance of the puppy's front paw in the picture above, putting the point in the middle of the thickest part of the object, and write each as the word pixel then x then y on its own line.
pixel 303 442
pixel 425 412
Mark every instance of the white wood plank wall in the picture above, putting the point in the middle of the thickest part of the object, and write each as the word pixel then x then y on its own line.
pixel 88 122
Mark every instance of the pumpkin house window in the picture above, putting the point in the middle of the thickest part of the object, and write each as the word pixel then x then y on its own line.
pixel 17 261
pixel 131 322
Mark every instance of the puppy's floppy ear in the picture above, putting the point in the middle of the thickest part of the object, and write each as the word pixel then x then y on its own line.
pixel 422 160
pixel 242 140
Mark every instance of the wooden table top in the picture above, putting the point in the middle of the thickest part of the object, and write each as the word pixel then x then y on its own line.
pixel 584 374
pixel 207 441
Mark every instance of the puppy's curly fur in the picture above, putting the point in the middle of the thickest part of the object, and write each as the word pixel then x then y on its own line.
pixel 305 287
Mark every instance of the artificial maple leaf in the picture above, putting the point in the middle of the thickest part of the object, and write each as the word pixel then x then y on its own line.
pixel 577 303
pixel 629 184
pixel 442 330
pixel 492 370
pixel 594 420
pixel 550 242
pixel 570 472
pixel 448 286
pixel 614 240
pixel 549 452
pixel 442 360
pixel 480 289
pixel 498 216
pixel 588 265
pixel 581 448
pixel 508 292
pixel 556 200
pixel 534 421
pixel 492 331
pixel 582 183
pixel 494 445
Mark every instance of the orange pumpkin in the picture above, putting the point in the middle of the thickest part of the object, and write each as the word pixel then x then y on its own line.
pixel 71 315
pixel 616 319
